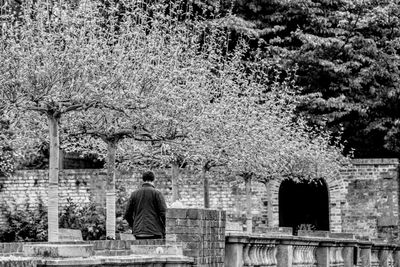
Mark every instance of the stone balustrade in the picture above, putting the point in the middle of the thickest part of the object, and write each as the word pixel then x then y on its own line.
pixel 269 250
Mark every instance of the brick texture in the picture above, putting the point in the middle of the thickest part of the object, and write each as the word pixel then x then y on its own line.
pixel 202 233
pixel 373 198
pixel 83 186
pixel 363 197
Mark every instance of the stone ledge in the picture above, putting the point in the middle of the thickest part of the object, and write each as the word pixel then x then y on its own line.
pixel 13 261
pixel 157 250
pixel 139 260
pixel 376 161
pixel 58 250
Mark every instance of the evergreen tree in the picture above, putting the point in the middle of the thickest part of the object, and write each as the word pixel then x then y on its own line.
pixel 347 55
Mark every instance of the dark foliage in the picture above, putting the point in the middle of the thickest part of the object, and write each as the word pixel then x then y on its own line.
pixel 348 59
pixel 29 224
pixel 25 224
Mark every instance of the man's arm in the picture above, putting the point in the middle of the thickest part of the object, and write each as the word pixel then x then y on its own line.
pixel 162 209
pixel 129 211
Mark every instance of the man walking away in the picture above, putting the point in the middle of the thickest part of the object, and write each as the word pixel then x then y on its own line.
pixel 146 210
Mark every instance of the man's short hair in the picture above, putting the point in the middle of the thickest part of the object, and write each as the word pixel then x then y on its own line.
pixel 148 176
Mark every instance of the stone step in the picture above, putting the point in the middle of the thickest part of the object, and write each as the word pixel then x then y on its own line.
pixel 168 249
pixel 131 261
pixel 58 250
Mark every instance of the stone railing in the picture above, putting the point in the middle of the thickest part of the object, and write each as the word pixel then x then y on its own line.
pixel 287 251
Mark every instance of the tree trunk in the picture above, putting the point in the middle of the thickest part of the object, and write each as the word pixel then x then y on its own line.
pixel 54 163
pixel 110 194
pixel 206 188
pixel 174 181
pixel 249 216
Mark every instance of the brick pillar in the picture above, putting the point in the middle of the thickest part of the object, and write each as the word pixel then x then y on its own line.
pixel 202 233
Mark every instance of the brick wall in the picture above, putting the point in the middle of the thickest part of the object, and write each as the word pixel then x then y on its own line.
pixel 89 185
pixel 363 198
pixel 373 198
pixel 202 233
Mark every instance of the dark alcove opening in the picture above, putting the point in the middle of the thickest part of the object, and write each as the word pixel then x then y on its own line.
pixel 304 205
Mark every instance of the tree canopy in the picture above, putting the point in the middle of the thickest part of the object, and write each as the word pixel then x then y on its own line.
pixel 347 55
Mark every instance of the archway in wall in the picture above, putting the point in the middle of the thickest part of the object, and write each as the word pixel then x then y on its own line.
pixel 304 205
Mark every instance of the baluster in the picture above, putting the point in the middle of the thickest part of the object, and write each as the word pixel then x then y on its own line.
pixel 307 256
pixel 262 255
pixel 295 256
pixel 265 255
pixel 359 261
pixel 340 256
pixel 252 254
pixel 246 255
pixel 262 259
pixel 374 258
pixel 298 256
pixel 390 260
pixel 269 261
pixel 273 253
pixel 257 255
pixel 332 260
pixel 303 256
pixel 314 256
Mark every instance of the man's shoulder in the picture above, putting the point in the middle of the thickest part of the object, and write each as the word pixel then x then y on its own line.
pixel 144 189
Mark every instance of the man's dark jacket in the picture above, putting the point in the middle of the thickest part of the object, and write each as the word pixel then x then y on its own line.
pixel 145 211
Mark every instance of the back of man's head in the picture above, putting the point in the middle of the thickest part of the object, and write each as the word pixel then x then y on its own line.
pixel 148 176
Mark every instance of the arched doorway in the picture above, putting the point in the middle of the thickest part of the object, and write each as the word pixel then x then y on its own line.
pixel 304 205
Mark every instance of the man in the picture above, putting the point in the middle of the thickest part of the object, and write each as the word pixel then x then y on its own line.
pixel 146 210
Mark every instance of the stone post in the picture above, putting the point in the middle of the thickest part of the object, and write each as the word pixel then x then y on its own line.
pixel 323 255
pixel 285 254
pixel 234 250
pixel 201 232
pixel 348 253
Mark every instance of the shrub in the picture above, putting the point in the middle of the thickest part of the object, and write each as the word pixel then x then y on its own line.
pixel 25 224
pixel 122 200
pixel 89 218
pixel 28 224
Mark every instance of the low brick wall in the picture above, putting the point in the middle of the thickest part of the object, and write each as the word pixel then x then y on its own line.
pixel 202 233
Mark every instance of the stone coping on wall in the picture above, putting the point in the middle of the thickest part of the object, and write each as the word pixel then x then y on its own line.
pixel 376 161
pixel 102 253
pixel 119 260
pixel 100 247
pixel 136 260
